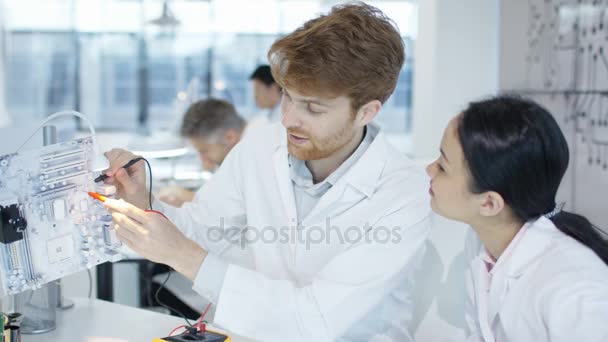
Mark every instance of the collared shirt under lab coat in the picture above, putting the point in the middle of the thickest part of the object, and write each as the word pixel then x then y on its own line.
pixel 306 193
pixel 292 289
pixel 549 287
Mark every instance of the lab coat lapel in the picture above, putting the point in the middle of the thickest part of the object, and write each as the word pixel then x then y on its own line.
pixel 539 236
pixel 498 292
pixel 335 201
pixel 482 287
pixel 281 168
pixel 536 239
pixel 362 178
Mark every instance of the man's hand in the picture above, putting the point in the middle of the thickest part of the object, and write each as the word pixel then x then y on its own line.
pixel 154 237
pixel 131 182
pixel 175 195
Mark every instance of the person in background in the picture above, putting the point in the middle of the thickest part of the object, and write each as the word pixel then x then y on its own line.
pixel 536 272
pixel 213 127
pixel 267 93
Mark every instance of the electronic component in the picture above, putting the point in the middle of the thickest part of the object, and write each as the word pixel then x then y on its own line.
pixel 207 336
pixel 49 226
pixel 12 223
pixel 59 209
pixel 60 248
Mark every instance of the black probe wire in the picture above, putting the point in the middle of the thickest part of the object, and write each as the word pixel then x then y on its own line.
pixel 162 286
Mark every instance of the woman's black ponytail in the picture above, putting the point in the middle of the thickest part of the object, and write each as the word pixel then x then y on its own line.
pixel 579 228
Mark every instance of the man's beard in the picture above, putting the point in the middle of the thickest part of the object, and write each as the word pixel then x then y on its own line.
pixel 315 149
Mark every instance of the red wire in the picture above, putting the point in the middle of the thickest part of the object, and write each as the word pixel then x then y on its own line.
pixel 200 320
pixel 172 331
pixel 156 212
pixel 205 312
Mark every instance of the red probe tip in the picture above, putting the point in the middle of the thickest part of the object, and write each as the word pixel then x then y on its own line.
pixel 97 196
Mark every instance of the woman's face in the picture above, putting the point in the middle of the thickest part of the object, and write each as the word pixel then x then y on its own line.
pixel 450 193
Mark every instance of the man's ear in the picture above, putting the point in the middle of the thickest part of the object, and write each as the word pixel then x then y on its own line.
pixel 491 203
pixel 231 137
pixel 368 112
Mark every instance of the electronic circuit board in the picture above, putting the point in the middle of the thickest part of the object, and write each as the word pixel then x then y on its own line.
pixel 49 226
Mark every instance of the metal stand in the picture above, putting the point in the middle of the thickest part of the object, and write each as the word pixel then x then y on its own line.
pixel 63 303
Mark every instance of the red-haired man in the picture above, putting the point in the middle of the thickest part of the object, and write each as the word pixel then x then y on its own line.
pixel 310 230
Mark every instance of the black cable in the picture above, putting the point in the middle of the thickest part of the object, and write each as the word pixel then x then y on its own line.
pixel 162 286
pixel 167 306
pixel 150 187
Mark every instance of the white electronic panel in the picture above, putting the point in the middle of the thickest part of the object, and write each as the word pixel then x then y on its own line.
pixel 49 226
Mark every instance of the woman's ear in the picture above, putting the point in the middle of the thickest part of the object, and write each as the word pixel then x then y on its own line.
pixel 491 204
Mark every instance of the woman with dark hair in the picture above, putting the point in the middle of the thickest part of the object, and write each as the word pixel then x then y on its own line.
pixel 537 273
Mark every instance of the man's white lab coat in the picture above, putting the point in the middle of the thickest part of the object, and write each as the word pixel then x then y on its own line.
pixel 349 275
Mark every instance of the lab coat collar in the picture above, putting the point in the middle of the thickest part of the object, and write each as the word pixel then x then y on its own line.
pixel 281 165
pixel 533 244
pixel 537 238
pixel 364 175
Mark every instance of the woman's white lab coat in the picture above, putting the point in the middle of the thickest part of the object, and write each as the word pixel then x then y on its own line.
pixel 286 285
pixel 549 288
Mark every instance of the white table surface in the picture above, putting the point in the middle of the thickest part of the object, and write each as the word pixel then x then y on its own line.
pixel 93 320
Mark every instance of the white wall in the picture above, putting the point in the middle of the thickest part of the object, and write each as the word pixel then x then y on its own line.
pixel 456 62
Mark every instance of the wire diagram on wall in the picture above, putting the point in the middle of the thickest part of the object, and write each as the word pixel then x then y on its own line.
pixel 566 69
